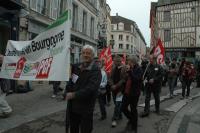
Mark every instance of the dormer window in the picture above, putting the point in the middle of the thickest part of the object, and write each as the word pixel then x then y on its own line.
pixel 121 26
pixel 132 28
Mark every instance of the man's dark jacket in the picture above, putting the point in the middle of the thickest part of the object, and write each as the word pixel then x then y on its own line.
pixel 154 71
pixel 136 78
pixel 85 88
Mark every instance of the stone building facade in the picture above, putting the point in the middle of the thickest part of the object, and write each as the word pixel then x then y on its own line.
pixel 126 37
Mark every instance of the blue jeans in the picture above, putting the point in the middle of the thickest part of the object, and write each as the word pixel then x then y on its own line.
pixel 117 110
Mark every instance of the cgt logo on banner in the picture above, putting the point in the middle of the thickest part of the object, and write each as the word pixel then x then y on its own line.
pixel 106 55
pixel 39 58
pixel 159 52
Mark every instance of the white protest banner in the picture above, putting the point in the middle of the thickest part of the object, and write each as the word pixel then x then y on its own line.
pixel 47 57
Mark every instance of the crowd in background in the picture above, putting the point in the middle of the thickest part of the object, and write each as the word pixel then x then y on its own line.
pixel 124 84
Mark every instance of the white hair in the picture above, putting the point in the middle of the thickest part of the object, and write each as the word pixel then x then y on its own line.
pixel 133 59
pixel 89 47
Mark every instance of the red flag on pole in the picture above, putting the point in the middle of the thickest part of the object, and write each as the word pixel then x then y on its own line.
pixel 107 57
pixel 159 52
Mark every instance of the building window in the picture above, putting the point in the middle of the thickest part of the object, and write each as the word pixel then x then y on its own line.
pixel 132 28
pixel 127 46
pixel 120 46
pixel 167 16
pixel 33 4
pixel 131 48
pixel 127 38
pixel 112 46
pixel 193 9
pixel 38 6
pixel 75 17
pixel 84 28
pixel 93 2
pixel 92 27
pixel 121 37
pixel 112 37
pixel 112 27
pixel 131 39
pixel 121 26
pixel 54 9
pixel 167 35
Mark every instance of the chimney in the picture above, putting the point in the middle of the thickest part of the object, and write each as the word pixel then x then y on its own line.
pixel 116 14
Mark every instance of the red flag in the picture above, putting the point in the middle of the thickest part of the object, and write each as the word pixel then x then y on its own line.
pixel 107 57
pixel 159 52
pixel 124 59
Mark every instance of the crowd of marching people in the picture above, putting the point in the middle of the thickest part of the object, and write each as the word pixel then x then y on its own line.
pixel 125 81
pixel 90 81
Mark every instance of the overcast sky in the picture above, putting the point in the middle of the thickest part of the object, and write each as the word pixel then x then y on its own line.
pixel 136 10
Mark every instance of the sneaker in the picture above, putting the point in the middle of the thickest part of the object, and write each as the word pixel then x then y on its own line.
pixel 102 118
pixel 60 89
pixel 144 114
pixel 182 98
pixel 157 112
pixel 53 96
pixel 128 125
pixel 188 97
pixel 5 114
pixel 108 104
pixel 114 123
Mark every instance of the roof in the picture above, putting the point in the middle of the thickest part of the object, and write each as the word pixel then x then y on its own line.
pixel 127 22
pixel 166 2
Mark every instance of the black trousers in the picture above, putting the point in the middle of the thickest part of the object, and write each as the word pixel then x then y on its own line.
pixel 56 85
pixel 186 84
pixel 156 93
pixel 131 114
pixel 102 103
pixel 108 93
pixel 76 123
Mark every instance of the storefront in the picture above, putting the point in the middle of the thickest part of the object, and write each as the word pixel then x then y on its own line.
pixel 9 25
pixel 179 53
pixel 9 22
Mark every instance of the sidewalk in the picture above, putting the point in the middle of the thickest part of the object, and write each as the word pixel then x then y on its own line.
pixel 37 112
pixel 31 106
pixel 187 119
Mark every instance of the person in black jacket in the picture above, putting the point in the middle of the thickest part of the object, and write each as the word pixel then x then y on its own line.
pixel 82 95
pixel 153 79
pixel 132 93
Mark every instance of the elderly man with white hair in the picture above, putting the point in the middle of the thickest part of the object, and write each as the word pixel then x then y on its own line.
pixel 5 109
pixel 81 94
